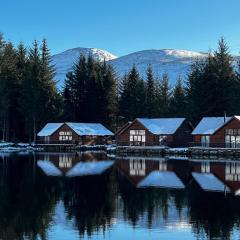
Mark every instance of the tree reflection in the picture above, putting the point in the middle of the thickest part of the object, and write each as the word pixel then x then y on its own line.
pixel 26 201
pixel 90 201
pixel 213 213
pixel 153 202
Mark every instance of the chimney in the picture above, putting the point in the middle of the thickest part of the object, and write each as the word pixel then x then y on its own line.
pixel 225 117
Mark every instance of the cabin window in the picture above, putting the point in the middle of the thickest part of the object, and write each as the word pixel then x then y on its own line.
pixel 65 136
pixel 232 171
pixel 205 141
pixel 205 167
pixel 65 161
pixel 162 165
pixel 137 137
pixel 232 138
pixel 162 140
pixel 137 167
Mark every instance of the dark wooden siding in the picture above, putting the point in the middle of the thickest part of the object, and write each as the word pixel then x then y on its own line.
pixel 123 136
pixel 81 140
pixel 218 138
pixel 181 138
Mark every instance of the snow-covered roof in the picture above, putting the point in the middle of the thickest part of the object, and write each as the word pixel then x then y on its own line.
pixel 164 179
pixel 49 129
pixel 161 125
pixel 89 168
pixel 95 129
pixel 209 125
pixel 208 182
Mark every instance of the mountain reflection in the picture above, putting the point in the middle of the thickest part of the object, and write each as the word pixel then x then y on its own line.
pixel 98 198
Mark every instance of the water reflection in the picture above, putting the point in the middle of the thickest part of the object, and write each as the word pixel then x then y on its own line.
pixel 106 199
pixel 74 164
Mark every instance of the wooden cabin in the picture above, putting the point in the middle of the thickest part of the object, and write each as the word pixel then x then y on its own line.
pixel 219 132
pixel 172 132
pixel 74 133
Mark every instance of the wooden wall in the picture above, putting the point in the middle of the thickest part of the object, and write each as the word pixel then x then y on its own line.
pixel 218 138
pixel 181 138
pixel 81 140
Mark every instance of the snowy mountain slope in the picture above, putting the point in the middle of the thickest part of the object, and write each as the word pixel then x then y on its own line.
pixel 174 62
pixel 64 61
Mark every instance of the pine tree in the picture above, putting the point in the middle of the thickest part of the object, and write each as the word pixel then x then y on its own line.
pixel 163 96
pixel 31 93
pixel 130 98
pixel 236 92
pixel 178 101
pixel 140 97
pixel 109 95
pixel 21 64
pixel 40 99
pixel 150 103
pixel 197 92
pixel 50 98
pixel 224 77
pixel 210 85
pixel 93 88
pixel 9 90
pixel 68 98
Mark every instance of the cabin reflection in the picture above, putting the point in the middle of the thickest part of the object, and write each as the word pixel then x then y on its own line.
pixel 228 172
pixel 149 172
pixel 73 164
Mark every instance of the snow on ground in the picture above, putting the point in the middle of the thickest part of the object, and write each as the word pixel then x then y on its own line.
pixel 208 182
pixel 49 168
pixel 15 147
pixel 177 149
pixel 163 179
pixel 89 168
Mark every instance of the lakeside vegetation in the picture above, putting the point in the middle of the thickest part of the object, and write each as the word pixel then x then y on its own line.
pixel 94 93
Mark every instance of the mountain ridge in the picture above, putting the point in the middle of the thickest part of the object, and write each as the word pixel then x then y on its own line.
pixel 175 62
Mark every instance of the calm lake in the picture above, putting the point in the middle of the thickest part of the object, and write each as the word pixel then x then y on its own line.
pixel 62 196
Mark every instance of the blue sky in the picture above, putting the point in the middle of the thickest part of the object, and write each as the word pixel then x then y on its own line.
pixel 122 26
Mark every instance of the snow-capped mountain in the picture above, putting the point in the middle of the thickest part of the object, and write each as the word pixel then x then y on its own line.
pixel 64 61
pixel 174 62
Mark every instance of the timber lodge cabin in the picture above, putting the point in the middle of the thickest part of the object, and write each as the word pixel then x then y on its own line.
pixel 219 132
pixel 172 132
pixel 74 133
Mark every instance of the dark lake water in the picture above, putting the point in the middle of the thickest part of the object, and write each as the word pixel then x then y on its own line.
pixel 62 196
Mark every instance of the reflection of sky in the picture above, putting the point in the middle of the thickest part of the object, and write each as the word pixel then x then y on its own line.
pixel 174 227
pixel 123 230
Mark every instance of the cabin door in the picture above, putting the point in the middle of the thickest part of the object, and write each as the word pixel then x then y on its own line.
pixel 162 140
pixel 47 139
pixel 205 141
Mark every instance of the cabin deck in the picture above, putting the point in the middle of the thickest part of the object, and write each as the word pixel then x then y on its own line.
pixel 201 152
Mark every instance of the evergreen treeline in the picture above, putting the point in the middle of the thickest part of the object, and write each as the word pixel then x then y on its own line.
pixel 92 93
pixel 28 95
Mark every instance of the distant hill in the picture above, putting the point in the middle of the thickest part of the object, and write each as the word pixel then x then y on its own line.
pixel 174 62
